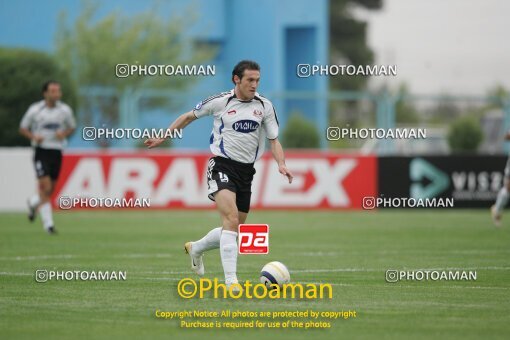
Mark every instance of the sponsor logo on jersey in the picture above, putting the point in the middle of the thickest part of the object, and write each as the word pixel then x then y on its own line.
pixel 198 106
pixel 257 113
pixel 231 112
pixel 51 126
pixel 245 126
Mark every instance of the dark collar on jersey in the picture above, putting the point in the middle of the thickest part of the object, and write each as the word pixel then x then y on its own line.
pixel 244 101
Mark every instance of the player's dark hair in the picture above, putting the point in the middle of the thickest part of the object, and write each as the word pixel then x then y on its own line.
pixel 47 84
pixel 244 65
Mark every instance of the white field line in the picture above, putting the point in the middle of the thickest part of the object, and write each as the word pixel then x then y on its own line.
pixel 39 257
pixel 385 284
pixel 326 270
pixel 383 270
pixel 141 256
pixel 310 254
pixel 399 252
pixel 68 256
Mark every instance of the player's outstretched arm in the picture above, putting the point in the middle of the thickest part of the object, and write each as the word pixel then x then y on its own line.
pixel 180 123
pixel 277 150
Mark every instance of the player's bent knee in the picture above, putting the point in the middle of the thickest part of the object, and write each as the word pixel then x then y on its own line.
pixel 44 193
pixel 231 221
pixel 45 196
pixel 46 190
pixel 234 221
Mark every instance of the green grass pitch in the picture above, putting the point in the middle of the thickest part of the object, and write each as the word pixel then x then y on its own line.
pixel 350 250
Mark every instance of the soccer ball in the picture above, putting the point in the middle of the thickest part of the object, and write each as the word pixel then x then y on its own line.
pixel 274 273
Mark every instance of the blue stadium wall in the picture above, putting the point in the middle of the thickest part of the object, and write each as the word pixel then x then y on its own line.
pixel 277 34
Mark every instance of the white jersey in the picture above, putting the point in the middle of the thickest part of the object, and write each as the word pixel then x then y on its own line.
pixel 46 121
pixel 240 126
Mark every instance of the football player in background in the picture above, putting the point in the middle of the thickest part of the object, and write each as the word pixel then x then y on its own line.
pixel 502 199
pixel 47 124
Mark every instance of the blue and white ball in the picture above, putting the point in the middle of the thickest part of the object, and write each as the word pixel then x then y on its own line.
pixel 274 273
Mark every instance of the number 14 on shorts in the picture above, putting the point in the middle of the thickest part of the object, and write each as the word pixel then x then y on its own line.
pixel 253 239
pixel 223 177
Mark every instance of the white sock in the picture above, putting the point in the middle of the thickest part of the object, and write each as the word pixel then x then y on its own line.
pixel 46 215
pixel 210 241
pixel 34 201
pixel 502 199
pixel 228 251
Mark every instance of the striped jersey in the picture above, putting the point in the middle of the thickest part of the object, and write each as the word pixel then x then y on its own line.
pixel 240 126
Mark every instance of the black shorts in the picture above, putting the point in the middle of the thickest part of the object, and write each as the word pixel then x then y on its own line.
pixel 224 173
pixel 47 162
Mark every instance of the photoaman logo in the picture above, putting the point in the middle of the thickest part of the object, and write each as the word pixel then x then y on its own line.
pixel 188 288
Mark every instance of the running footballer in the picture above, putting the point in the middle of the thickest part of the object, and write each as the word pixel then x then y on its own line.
pixel 47 124
pixel 243 119
pixel 503 193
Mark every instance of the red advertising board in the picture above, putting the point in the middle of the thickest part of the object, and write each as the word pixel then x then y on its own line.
pixel 178 180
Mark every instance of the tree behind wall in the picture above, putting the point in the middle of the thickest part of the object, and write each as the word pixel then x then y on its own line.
pixel 22 74
pixel 91 47
pixel 300 133
pixel 348 41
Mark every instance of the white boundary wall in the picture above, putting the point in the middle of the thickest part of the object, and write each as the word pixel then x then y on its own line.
pixel 17 178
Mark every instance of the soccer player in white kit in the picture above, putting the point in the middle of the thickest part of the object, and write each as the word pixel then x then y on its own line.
pixel 243 119
pixel 503 194
pixel 47 124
